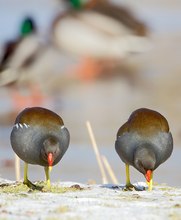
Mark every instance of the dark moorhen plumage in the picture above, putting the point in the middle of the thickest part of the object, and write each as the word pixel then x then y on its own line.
pixel 39 137
pixel 144 142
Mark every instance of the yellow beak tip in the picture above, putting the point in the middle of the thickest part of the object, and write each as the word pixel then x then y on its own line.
pixel 150 185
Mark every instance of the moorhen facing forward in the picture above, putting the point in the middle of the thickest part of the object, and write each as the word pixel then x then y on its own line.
pixel 144 142
pixel 39 137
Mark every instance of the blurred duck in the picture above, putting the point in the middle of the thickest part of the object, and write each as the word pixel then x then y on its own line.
pixel 19 53
pixel 99 31
pixel 17 58
pixel 144 142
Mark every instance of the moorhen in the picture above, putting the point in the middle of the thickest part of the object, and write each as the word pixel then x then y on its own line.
pixel 144 142
pixel 39 137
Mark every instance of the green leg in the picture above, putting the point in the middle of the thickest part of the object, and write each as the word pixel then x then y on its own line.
pixel 25 173
pixel 26 181
pixel 128 183
pixel 47 173
pixel 129 186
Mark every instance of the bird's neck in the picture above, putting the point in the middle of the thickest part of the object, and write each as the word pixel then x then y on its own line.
pixel 145 151
pixel 50 143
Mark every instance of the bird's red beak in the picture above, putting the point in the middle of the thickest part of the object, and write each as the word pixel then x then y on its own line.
pixel 50 159
pixel 148 175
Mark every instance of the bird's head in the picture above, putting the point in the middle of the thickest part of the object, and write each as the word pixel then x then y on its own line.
pixel 27 27
pixel 75 3
pixel 145 161
pixel 50 150
pixel 78 4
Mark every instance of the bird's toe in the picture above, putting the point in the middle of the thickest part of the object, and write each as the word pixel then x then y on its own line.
pixel 131 187
pixel 29 184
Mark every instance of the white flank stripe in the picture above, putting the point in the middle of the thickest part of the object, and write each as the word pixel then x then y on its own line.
pixel 21 126
pixel 16 125
pixel 25 125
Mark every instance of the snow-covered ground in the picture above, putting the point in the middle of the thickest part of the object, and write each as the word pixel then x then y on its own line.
pixel 93 202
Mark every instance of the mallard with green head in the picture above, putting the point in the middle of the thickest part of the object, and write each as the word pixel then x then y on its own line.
pixel 17 64
pixel 19 53
pixel 99 30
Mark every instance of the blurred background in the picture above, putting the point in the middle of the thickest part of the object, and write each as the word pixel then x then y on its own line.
pixel 99 62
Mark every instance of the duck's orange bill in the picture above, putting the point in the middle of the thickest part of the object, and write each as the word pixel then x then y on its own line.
pixel 50 159
pixel 148 175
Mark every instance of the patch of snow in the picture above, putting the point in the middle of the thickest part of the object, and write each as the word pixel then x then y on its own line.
pixel 93 202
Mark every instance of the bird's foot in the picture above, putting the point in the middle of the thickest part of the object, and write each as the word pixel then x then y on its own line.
pixel 29 184
pixel 48 184
pixel 131 187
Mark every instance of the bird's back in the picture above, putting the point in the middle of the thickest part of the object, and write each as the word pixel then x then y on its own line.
pixel 144 127
pixel 40 117
pixel 145 122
